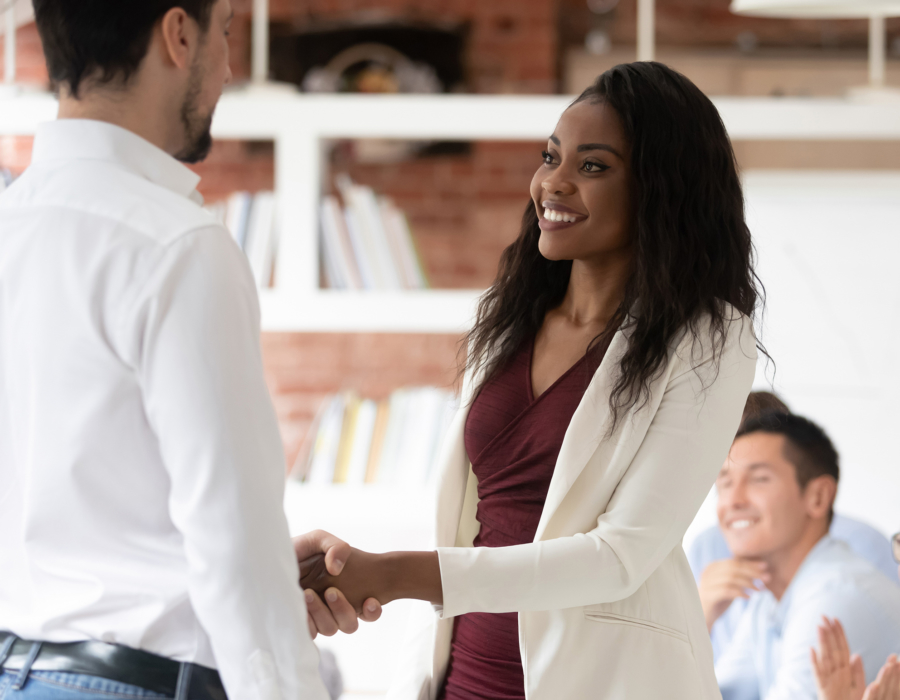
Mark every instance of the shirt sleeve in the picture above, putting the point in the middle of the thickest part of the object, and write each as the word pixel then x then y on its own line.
pixel 652 507
pixel 198 360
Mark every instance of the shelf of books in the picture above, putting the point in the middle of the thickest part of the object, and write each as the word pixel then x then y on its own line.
pixel 377 283
pixel 392 442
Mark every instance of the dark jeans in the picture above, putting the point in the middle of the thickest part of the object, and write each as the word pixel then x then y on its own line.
pixel 95 670
pixel 52 685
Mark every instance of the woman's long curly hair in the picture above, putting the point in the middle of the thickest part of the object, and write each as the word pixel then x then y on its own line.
pixel 692 247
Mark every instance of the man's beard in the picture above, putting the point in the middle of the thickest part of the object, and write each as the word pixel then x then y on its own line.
pixel 198 139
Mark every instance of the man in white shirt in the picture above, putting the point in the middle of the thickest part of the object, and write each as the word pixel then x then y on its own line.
pixel 724 580
pixel 776 492
pixel 142 536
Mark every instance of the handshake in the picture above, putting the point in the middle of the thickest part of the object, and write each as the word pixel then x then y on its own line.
pixel 355 584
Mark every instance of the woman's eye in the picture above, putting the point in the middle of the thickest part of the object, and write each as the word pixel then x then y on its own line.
pixel 594 167
pixel 546 157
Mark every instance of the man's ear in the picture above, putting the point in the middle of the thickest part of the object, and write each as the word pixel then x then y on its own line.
pixel 819 496
pixel 178 37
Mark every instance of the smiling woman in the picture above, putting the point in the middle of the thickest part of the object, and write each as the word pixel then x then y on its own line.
pixel 604 381
pixel 643 163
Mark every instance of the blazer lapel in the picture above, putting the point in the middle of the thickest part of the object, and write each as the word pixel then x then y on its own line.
pixel 587 429
pixel 454 473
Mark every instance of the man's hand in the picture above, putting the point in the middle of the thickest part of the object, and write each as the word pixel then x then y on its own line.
pixel 887 685
pixel 337 614
pixel 839 676
pixel 362 579
pixel 385 577
pixel 723 581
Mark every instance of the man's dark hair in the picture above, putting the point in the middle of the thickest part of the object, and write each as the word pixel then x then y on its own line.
pixel 806 445
pixel 759 402
pixel 106 39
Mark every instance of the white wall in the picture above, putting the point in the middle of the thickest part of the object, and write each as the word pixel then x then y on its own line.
pixel 829 257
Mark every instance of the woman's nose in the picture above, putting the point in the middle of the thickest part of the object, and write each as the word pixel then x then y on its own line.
pixel 557 185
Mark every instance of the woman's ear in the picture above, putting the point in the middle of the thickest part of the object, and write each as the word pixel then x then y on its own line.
pixel 819 496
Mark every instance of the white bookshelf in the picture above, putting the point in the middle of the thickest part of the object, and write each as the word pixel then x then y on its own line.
pixel 298 124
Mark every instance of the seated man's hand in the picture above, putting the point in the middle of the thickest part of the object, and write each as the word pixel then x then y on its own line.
pixel 336 613
pixel 839 676
pixel 887 685
pixel 723 581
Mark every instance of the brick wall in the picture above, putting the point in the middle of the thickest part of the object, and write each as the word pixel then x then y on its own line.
pixel 236 165
pixel 30 64
pixel 512 46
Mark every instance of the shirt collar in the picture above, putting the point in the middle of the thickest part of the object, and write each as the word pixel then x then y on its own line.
pixel 89 139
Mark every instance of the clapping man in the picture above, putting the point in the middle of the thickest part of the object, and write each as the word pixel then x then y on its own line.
pixel 726 583
pixel 776 492
pixel 142 536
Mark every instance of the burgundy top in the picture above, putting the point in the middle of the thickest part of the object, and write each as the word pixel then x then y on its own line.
pixel 513 441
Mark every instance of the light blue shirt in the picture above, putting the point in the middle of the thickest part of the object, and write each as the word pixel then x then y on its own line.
pixel 710 546
pixel 768 659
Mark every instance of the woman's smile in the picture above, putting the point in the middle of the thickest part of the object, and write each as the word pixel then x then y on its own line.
pixel 554 216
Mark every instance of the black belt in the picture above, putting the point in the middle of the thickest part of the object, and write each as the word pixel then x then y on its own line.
pixel 116 663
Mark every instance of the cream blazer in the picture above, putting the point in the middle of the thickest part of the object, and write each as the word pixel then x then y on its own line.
pixel 608 607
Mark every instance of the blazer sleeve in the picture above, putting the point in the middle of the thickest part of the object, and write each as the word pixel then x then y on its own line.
pixel 654 502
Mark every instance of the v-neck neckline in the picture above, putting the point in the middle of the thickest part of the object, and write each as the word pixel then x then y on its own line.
pixel 532 399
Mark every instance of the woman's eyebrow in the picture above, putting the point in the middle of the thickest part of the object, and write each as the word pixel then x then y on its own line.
pixel 589 146
pixel 598 147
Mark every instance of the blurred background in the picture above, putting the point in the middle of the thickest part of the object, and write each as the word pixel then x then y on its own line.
pixel 373 158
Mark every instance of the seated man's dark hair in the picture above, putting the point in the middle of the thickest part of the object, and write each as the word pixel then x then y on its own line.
pixel 103 39
pixel 759 402
pixel 806 445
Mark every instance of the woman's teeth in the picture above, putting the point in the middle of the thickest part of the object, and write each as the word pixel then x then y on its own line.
pixel 553 215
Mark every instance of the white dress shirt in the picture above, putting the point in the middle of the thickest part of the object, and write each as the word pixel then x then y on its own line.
pixel 768 659
pixel 141 470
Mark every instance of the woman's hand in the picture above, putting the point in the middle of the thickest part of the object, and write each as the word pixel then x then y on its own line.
pixel 887 685
pixel 383 577
pixel 360 578
pixel 839 676
pixel 337 614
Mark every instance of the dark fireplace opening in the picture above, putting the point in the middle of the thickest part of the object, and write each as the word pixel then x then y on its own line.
pixel 390 56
